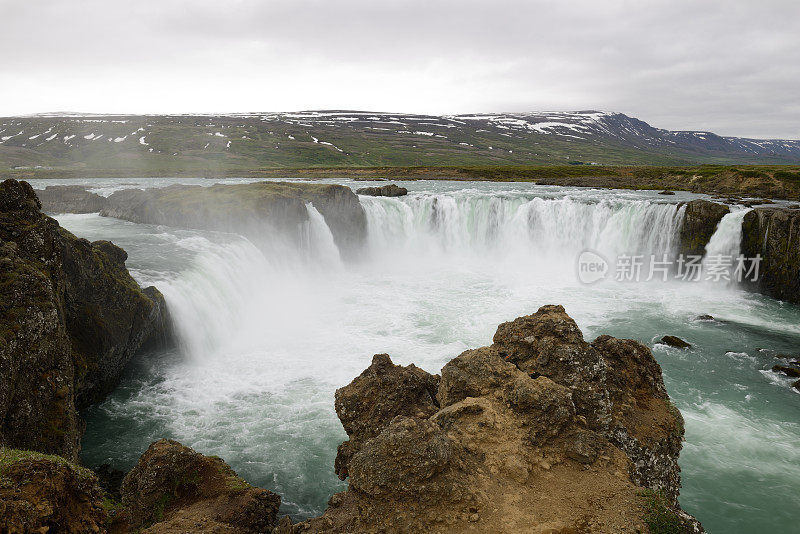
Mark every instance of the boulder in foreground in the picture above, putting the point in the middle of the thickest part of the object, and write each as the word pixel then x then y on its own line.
pixel 172 489
pixel 44 493
pixel 539 432
pixel 175 489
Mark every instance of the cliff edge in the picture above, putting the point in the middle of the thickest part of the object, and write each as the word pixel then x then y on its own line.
pixel 71 317
pixel 254 210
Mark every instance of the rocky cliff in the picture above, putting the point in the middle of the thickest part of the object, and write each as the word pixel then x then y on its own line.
pixel 44 493
pixel 69 199
pixel 539 432
pixel 700 220
pixel 71 317
pixel 774 233
pixel 254 210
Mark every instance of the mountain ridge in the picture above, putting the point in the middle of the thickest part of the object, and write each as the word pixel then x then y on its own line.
pixel 365 138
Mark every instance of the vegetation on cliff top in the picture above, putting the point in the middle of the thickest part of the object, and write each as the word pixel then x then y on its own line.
pixel 9 456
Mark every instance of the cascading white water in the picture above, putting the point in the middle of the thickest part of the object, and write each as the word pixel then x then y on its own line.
pixel 320 248
pixel 518 226
pixel 727 238
pixel 234 285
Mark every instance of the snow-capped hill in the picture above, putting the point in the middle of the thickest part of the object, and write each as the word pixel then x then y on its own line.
pixel 345 137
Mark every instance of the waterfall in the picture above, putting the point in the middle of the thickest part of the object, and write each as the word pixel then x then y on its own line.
pixel 507 225
pixel 235 286
pixel 319 246
pixel 727 238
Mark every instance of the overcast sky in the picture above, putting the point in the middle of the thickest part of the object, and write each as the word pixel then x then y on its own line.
pixel 729 66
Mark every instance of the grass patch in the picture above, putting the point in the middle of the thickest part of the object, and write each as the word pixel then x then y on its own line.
pixel 659 517
pixel 9 457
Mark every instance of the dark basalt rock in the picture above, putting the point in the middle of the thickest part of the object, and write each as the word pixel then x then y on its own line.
pixel 788 371
pixel 255 210
pixel 704 317
pixel 390 190
pixel 666 192
pixel 774 234
pixel 699 223
pixel 70 199
pixel 676 342
pixel 110 480
pixel 71 317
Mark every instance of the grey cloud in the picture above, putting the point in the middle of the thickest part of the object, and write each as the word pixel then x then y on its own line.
pixel 732 67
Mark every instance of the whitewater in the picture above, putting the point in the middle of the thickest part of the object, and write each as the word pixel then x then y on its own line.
pixel 267 332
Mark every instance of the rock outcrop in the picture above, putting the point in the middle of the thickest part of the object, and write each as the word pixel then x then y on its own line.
pixel 407 391
pixel 699 223
pixel 42 493
pixel 390 190
pixel 71 317
pixel 774 234
pixel 69 199
pixel 175 489
pixel 539 432
pixel 172 489
pixel 255 210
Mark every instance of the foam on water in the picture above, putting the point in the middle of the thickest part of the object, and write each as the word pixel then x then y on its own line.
pixel 269 330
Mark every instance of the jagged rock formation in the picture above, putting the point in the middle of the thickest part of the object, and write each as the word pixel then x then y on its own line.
pixel 71 317
pixel 408 391
pixel 699 223
pixel 254 210
pixel 540 432
pixel 175 489
pixel 390 190
pixel 774 233
pixel 69 199
pixel 42 493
